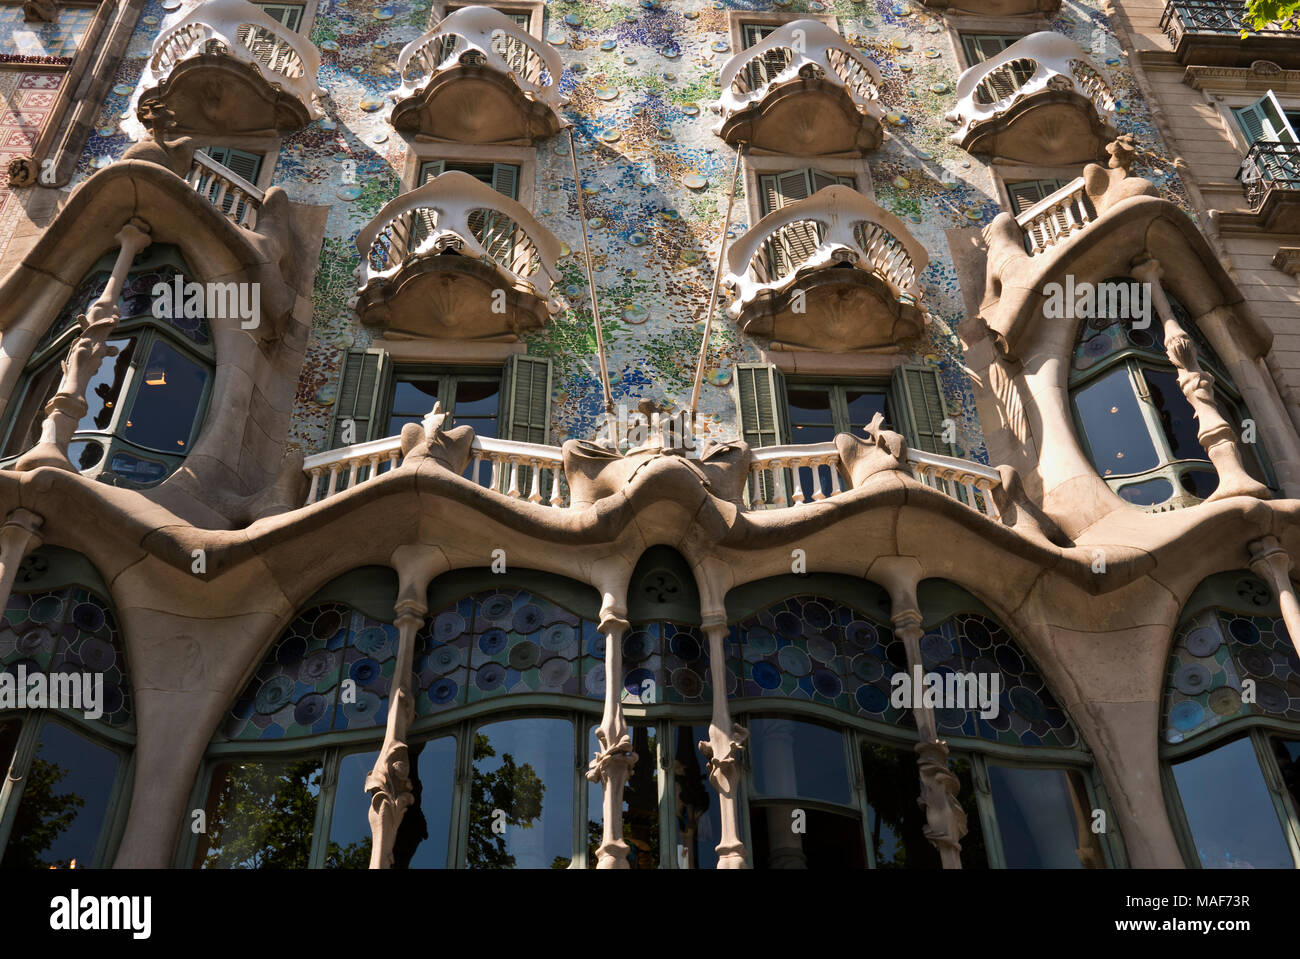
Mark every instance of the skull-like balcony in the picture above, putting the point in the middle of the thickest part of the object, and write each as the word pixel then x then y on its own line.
pixel 455 259
pixel 1041 100
pixel 834 273
pixel 803 90
pixel 477 77
pixel 227 68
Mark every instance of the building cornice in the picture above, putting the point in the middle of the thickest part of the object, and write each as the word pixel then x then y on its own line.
pixel 1261 75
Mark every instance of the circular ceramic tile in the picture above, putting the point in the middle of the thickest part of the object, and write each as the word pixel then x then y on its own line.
pixel 1187 715
pixel 556 38
pixel 607 45
pixel 555 672
pixel 718 377
pixel 384 13
pixel 348 191
pixel 1192 679
pixel 694 181
pixel 524 656
pixel 637 238
pixel 149 20
pixel 572 20
pixel 720 46
pixel 636 314
pixel 687 683
pixel 1203 641
pixel 123 89
pixel 379 136
pixel 1272 698
pixel 1225 701
pixel 372 104
pixel 171 5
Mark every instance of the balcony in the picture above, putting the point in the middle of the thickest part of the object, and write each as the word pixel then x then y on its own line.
pixel 834 273
pixel 230 193
pixel 780 477
pixel 477 77
pixel 227 68
pixel 1056 218
pixel 455 259
pixel 803 90
pixel 1270 175
pixel 1041 101
pixel 1209 33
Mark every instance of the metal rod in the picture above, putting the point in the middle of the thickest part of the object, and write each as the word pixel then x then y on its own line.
pixel 591 277
pixel 713 297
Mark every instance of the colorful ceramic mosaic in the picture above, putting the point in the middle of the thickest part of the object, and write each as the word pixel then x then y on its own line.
pixel 1028 713
pixel 639 79
pixel 299 689
pixel 68 630
pixel 822 651
pixel 43 41
pixel 1215 652
pixel 666 663
pixel 28 98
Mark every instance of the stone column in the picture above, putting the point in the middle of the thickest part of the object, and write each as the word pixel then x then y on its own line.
pixel 1270 562
pixel 945 819
pixel 722 749
pixel 19 535
pixel 389 782
pixel 1215 434
pixel 613 763
pixel 66 408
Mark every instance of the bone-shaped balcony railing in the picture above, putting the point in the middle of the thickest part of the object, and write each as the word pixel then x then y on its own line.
pixel 487 37
pixel 1040 61
pixel 456 211
pixel 241 30
pixel 1054 219
pixel 780 476
pixel 834 225
pixel 225 189
pixel 800 48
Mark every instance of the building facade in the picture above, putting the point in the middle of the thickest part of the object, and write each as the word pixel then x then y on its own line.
pixel 672 434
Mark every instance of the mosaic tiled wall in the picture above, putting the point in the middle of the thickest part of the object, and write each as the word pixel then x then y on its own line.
pixel 639 78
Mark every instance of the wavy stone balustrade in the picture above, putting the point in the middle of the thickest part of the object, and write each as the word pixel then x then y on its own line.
pixel 834 272
pixel 435 262
pixel 1041 100
pixel 802 90
pixel 477 77
pixel 230 193
pixel 228 68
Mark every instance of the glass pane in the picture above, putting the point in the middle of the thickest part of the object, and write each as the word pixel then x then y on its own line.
pixel 811 418
pixel 1176 417
pixel 1286 751
pixel 166 403
pixel 863 405
pixel 349 844
pixel 1045 818
pixel 893 784
pixel 260 815
pixel 974 855
pixel 699 821
pixel 1148 492
pixel 64 803
pixel 1229 810
pixel 9 731
pixel 521 797
pixel 799 760
pixel 104 391
pixel 1112 422
pixel 477 402
pixel 640 804
pixel 1199 483
pixel 26 430
pixel 788 837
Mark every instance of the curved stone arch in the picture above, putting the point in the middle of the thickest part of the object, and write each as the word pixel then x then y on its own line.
pixel 61 620
pixel 1230 713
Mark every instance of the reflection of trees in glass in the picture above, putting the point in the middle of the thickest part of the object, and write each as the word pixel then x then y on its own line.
pixel 264 817
pixel 515 790
pixel 42 815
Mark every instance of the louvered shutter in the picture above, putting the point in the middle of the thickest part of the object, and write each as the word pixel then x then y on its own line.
pixel 526 399
pixel 362 393
pixel 289 14
pixel 918 399
pixel 1265 120
pixel 764 415
pixel 797 242
pixel 426 221
pixel 1025 194
pixel 821 180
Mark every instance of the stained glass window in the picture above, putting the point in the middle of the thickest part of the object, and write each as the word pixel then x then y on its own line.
pixel 299 689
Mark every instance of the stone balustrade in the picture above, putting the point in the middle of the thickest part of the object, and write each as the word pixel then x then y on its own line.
pixel 1056 218
pixel 230 193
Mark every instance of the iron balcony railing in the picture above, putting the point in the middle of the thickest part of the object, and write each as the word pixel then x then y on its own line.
pixel 1270 166
pixel 1182 17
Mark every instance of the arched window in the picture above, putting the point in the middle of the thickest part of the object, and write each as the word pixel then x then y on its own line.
pixel 146 402
pixel 850 781
pixel 1133 420
pixel 1231 728
pixel 65 744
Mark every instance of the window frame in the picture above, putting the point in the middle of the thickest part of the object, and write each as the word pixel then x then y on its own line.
pixel 534 9
pixel 524 158
pixel 444 375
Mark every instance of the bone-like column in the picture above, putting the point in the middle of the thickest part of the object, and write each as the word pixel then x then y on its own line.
pixel 19 535
pixel 1271 563
pixel 722 749
pixel 613 762
pixel 1214 433
pixel 66 408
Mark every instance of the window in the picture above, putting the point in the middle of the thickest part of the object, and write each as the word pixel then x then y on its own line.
pixel 792 246
pixel 470 398
pixel 494 230
pixel 1134 422
pixel 1025 193
pixel 1266 120
pixel 1274 147
pixel 522 20
pixel 818 411
pixel 146 401
pixel 641 801
pixel 764 70
pixel 979 47
pixel 289 14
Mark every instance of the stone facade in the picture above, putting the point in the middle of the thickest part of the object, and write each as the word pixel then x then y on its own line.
pixel 718 444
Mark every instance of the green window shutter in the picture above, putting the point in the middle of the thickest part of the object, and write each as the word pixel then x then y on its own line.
pixel 918 400
pixel 760 397
pixel 362 392
pixel 753 33
pixel 1025 194
pixel 430 170
pixel 289 14
pixel 821 180
pixel 505 179
pixel 248 165
pixel 1265 120
pixel 526 399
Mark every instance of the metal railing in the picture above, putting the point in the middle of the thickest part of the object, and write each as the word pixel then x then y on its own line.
pixel 485 37
pixel 225 189
pixel 1269 166
pixel 799 48
pixel 1056 218
pixel 835 225
pixel 1182 17
pixel 1038 62
pixel 455 211
pixel 241 30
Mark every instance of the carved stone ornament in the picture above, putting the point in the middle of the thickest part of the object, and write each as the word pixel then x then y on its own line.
pixel 879 450
pixel 724 764
pixel 607 757
pixel 450 449
pixel 945 820
pixel 390 790
pixel 22 171
pixel 41 11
